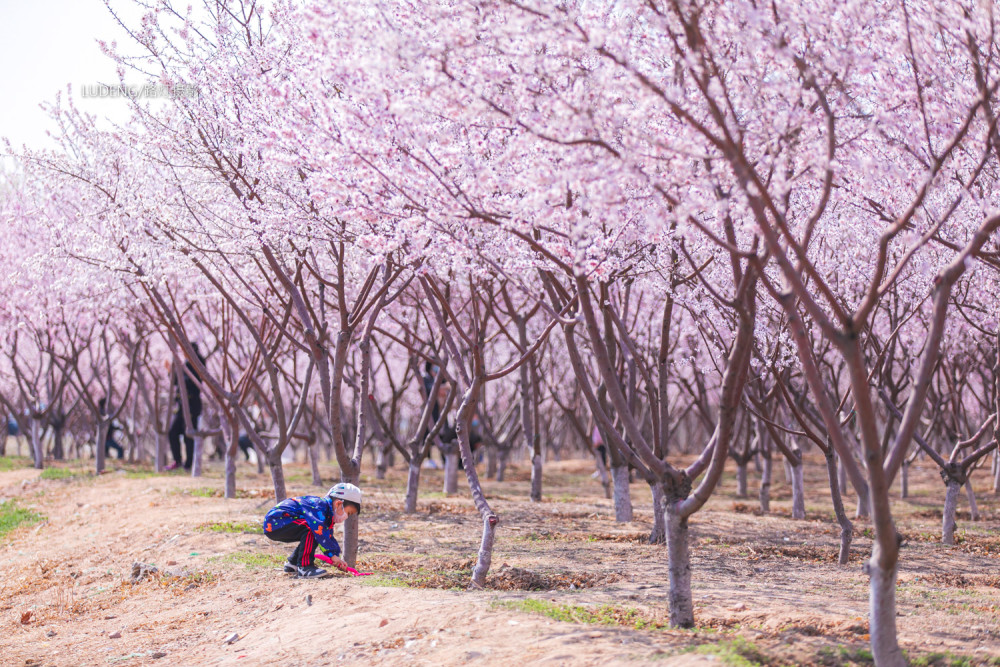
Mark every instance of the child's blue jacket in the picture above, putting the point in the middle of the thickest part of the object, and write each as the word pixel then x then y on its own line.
pixel 312 511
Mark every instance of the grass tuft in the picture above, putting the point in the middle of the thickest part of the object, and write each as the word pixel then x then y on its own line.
pixel 947 659
pixel 141 473
pixel 736 652
pixel 843 655
pixel 602 615
pixel 61 473
pixel 253 560
pixel 233 527
pixel 384 581
pixel 14 462
pixel 12 516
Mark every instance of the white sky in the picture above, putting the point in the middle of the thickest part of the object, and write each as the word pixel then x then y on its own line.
pixel 44 45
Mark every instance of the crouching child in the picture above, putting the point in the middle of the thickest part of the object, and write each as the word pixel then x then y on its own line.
pixel 309 520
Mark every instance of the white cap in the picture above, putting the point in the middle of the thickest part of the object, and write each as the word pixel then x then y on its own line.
pixel 345 491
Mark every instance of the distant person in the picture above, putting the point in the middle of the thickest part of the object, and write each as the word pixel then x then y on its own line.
pixel 245 445
pixel 109 437
pixel 475 441
pixel 447 434
pixel 597 443
pixel 309 520
pixel 178 427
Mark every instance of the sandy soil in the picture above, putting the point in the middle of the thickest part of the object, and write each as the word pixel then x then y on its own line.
pixel 767 589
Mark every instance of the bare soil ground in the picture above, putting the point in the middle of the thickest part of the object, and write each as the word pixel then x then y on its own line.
pixel 568 584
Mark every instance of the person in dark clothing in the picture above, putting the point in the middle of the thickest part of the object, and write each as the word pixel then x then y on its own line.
pixel 245 445
pixel 447 434
pixel 475 441
pixel 109 437
pixel 430 372
pixel 178 427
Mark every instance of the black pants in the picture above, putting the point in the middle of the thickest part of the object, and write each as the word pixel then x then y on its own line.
pixel 177 430
pixel 603 451
pixel 110 444
pixel 246 445
pixel 305 553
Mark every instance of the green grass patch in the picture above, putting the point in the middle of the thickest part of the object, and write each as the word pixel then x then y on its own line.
pixel 233 527
pixel 14 462
pixel 141 474
pixel 386 581
pixel 12 516
pixel 253 560
pixel 842 656
pixel 537 537
pixel 601 615
pixel 949 659
pixel 736 652
pixel 62 473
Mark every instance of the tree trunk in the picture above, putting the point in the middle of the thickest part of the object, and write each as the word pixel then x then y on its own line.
pixel 350 553
pixel 37 449
pixel 798 492
pixel 882 615
pixel 317 479
pixel 199 445
pixel 412 485
pixel 230 474
pixel 864 509
pixel 451 472
pixel 158 452
pixel 536 478
pixel 623 498
pixel 57 446
pixel 485 557
pixel 765 481
pixel 679 564
pixel 491 461
pixel 948 514
pixel 971 495
pixel 904 481
pixel 381 461
pixel 996 470
pixel 841 475
pixel 100 452
pixel 846 527
pixel 490 518
pixel 277 476
pixel 741 479
pixel 659 534
pixel 502 465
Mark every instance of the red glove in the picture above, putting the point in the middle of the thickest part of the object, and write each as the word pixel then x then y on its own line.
pixel 351 570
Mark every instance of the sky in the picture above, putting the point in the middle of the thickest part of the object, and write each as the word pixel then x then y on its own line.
pixel 45 45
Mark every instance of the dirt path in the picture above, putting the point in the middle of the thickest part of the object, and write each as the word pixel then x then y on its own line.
pixel 766 588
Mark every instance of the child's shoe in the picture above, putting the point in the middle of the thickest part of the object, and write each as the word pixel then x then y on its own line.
pixel 311 572
pixel 290 567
